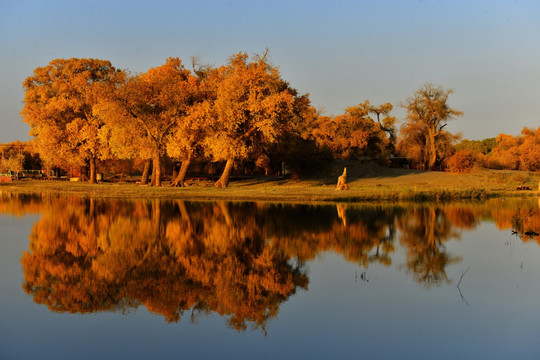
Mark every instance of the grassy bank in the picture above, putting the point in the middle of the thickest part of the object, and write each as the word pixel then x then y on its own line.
pixel 367 183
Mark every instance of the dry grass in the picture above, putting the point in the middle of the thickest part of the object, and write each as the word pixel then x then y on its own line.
pixel 367 183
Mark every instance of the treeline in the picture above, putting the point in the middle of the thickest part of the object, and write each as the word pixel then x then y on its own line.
pixel 520 152
pixel 86 113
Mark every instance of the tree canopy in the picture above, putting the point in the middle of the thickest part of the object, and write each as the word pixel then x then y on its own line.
pixel 59 105
pixel 251 106
pixel 150 106
pixel 423 135
pixel 241 115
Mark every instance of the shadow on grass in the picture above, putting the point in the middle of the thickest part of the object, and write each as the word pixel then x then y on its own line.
pixel 274 180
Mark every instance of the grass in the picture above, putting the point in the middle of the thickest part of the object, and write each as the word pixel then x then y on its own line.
pixel 367 183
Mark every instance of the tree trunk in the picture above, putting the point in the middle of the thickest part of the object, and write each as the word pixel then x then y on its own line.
pixel 93 176
pixel 181 177
pixel 433 154
pixel 146 171
pixel 92 207
pixel 153 178
pixel 225 211
pixel 156 172
pixel 84 175
pixel 224 179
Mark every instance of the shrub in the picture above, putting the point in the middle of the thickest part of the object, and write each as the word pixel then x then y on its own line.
pixel 462 161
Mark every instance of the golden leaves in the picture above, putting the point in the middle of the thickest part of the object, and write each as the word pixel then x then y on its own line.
pixel 353 133
pixel 250 108
pixel 58 105
pixel 517 152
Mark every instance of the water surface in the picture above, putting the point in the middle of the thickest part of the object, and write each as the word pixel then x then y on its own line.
pixel 85 278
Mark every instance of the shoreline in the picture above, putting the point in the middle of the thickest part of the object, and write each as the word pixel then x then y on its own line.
pixel 362 190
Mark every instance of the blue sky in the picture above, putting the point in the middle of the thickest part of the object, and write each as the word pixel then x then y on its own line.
pixel 341 52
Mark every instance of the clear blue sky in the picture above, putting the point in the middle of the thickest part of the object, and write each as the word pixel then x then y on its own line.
pixel 341 52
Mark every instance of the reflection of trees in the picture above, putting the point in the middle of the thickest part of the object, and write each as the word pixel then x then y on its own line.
pixel 520 215
pixel 19 204
pixel 93 256
pixel 423 233
pixel 362 234
pixel 240 260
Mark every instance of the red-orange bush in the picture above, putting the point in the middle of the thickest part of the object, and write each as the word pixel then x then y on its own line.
pixel 462 161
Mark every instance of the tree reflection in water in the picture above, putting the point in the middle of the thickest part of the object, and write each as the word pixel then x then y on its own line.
pixel 240 260
pixel 423 233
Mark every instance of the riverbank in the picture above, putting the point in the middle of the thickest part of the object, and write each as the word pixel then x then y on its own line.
pixel 366 184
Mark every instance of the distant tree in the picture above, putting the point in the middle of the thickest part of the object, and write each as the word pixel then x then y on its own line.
pixel 506 152
pixel 14 163
pixel 427 116
pixel 386 122
pixel 59 106
pixel 530 149
pixel 20 155
pixel 413 144
pixel 355 133
pixel 483 147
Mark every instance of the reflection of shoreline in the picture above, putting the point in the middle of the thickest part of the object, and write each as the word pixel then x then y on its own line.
pixel 241 260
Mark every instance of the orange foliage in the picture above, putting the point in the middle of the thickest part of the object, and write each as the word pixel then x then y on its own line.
pixel 517 152
pixel 251 109
pixel 147 108
pixel 355 133
pixel 60 105
pixel 423 138
pixel 238 260
pixel 424 232
pixel 462 161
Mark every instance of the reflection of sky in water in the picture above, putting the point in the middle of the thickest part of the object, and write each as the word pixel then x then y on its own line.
pixel 342 315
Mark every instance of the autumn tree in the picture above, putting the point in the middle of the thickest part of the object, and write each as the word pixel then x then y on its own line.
pixel 148 107
pixel 14 163
pixel 17 156
pixel 530 149
pixel 59 106
pixel 355 133
pixel 516 152
pixel 251 106
pixel 297 148
pixel 186 140
pixel 427 115
pixel 506 152
pixel 386 122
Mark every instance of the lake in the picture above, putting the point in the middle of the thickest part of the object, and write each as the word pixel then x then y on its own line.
pixel 87 279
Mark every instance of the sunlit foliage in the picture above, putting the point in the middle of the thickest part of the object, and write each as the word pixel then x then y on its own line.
pixel 517 152
pixel 250 110
pixel 60 104
pixel 148 107
pixel 423 137
pixel 462 161
pixel 355 133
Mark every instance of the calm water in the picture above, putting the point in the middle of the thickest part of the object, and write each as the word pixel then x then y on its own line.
pixel 148 279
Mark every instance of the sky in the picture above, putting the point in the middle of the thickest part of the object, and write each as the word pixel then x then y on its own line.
pixel 340 52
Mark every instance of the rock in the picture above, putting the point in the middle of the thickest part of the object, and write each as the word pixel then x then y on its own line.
pixel 342 181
